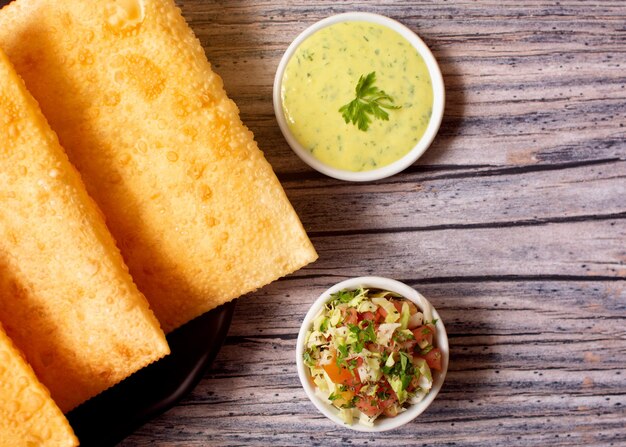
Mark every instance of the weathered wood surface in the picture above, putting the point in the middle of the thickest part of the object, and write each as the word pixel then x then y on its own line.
pixel 513 224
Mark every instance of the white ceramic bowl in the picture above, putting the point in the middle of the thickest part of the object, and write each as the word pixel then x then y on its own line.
pixel 441 341
pixel 422 144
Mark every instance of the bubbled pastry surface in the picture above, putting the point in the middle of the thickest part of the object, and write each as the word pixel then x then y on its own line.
pixel 196 209
pixel 28 416
pixel 67 299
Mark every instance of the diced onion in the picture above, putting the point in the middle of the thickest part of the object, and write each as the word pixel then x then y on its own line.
pixel 416 320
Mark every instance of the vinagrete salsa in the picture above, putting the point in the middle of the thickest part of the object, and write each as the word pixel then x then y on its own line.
pixel 370 353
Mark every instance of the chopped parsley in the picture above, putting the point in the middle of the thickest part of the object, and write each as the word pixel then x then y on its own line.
pixel 307 358
pixel 426 350
pixel 382 395
pixel 344 296
pixel 362 335
pixel 342 353
pixel 402 369
pixel 324 325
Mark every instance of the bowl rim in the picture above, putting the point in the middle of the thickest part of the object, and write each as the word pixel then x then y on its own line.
pixel 437 110
pixel 407 292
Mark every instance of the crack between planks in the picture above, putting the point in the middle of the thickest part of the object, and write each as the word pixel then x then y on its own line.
pixel 478 279
pixel 513 368
pixel 509 416
pixel 490 170
pixel 512 278
pixel 236 339
pixel 483 225
pixel 300 176
pixel 262 338
pixel 548 342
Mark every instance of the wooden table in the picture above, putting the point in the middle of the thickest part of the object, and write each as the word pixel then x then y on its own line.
pixel 512 224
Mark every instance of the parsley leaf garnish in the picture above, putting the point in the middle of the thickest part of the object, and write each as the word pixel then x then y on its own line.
pixel 352 364
pixel 426 350
pixel 406 380
pixel 324 325
pixel 403 369
pixel 343 296
pixel 370 100
pixel 353 401
pixel 307 358
pixel 333 396
pixel 342 353
pixel 362 336
pixel 404 359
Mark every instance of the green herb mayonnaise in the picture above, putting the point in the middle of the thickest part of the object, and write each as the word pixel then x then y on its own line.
pixel 321 77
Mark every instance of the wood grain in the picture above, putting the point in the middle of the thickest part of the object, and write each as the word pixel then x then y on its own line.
pixel 517 369
pixel 468 197
pixel 538 84
pixel 512 224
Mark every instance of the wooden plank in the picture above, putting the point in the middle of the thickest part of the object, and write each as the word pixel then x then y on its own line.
pixel 464 198
pixel 512 224
pixel 585 249
pixel 292 296
pixel 537 84
pixel 513 371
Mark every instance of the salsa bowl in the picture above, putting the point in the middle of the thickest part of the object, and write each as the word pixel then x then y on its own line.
pixel 440 340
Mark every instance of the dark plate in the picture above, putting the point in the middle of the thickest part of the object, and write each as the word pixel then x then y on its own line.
pixel 111 416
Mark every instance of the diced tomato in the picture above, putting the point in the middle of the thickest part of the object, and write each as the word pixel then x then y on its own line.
pixel 341 374
pixel 351 316
pixel 381 314
pixel 372 405
pixel 338 374
pixel 384 401
pixel 368 405
pixel 373 347
pixel 423 333
pixel 433 358
pixel 398 306
pixel 406 345
pixel 368 316
pixel 389 402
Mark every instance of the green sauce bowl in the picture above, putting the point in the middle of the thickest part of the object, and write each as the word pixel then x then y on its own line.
pixel 405 160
